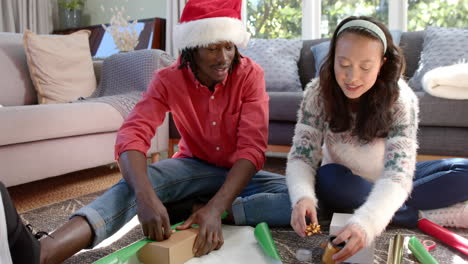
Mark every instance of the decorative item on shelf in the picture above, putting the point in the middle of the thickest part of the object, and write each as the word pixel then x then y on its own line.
pixel 70 13
pixel 123 32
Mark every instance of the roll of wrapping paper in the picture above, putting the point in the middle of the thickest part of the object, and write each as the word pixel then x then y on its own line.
pixel 444 235
pixel 395 250
pixel 420 252
pixel 122 255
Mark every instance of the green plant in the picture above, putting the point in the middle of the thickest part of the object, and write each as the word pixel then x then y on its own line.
pixel 283 18
pixel 274 18
pixel 71 4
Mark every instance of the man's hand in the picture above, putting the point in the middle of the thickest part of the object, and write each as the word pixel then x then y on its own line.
pixel 210 235
pixel 153 217
pixel 355 239
pixel 208 218
pixel 151 212
pixel 304 207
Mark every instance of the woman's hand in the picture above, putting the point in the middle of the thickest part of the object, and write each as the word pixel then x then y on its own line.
pixel 304 207
pixel 355 238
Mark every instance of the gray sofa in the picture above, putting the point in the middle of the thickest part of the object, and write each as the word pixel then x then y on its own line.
pixel 38 141
pixel 443 128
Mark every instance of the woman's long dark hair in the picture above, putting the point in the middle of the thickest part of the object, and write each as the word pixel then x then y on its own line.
pixel 374 114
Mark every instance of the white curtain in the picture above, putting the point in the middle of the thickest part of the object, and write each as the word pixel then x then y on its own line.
pixel 174 11
pixel 19 15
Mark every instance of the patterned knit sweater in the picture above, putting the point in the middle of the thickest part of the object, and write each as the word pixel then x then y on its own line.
pixel 387 162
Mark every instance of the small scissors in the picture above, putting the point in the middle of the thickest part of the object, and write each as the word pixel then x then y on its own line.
pixel 428 244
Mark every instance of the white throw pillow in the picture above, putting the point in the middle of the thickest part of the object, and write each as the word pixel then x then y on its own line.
pixel 441 47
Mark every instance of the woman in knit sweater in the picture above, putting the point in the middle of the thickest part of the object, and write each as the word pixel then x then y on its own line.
pixel 355 144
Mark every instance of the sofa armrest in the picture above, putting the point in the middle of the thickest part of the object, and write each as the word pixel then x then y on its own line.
pixel 97 65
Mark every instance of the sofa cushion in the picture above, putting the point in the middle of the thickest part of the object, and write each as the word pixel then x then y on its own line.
pixel 320 51
pixel 441 47
pixel 278 58
pixel 22 124
pixel 16 87
pixel 411 43
pixel 435 111
pixel 446 141
pixel 281 132
pixel 284 105
pixel 306 62
pixel 60 65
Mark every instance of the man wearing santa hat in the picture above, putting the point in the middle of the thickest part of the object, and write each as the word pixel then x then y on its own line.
pixel 220 107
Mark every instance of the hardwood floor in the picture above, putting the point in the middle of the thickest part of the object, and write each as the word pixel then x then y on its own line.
pixel 52 190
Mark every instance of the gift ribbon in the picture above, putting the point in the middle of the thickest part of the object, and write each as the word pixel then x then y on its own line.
pixel 448 237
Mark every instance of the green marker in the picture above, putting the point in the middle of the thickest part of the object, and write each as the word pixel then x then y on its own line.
pixel 420 252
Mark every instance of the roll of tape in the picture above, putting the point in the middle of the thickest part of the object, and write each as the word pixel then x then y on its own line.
pixel 304 254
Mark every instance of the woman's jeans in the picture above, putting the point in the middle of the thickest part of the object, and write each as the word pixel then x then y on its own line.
pixel 437 184
pixel 265 199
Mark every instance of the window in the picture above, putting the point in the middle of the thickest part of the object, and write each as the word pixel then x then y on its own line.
pixel 333 12
pixel 309 19
pixel 270 19
pixel 441 13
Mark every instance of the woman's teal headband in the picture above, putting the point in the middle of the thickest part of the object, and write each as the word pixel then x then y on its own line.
pixel 369 26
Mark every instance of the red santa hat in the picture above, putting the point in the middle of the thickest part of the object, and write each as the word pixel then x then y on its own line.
pixel 204 22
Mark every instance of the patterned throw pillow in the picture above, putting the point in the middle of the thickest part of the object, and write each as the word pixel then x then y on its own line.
pixel 278 58
pixel 441 47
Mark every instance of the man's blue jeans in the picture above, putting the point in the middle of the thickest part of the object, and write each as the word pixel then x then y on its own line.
pixel 264 199
pixel 436 184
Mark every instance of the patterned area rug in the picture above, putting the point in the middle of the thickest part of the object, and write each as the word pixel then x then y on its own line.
pixel 287 242
pixel 50 217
